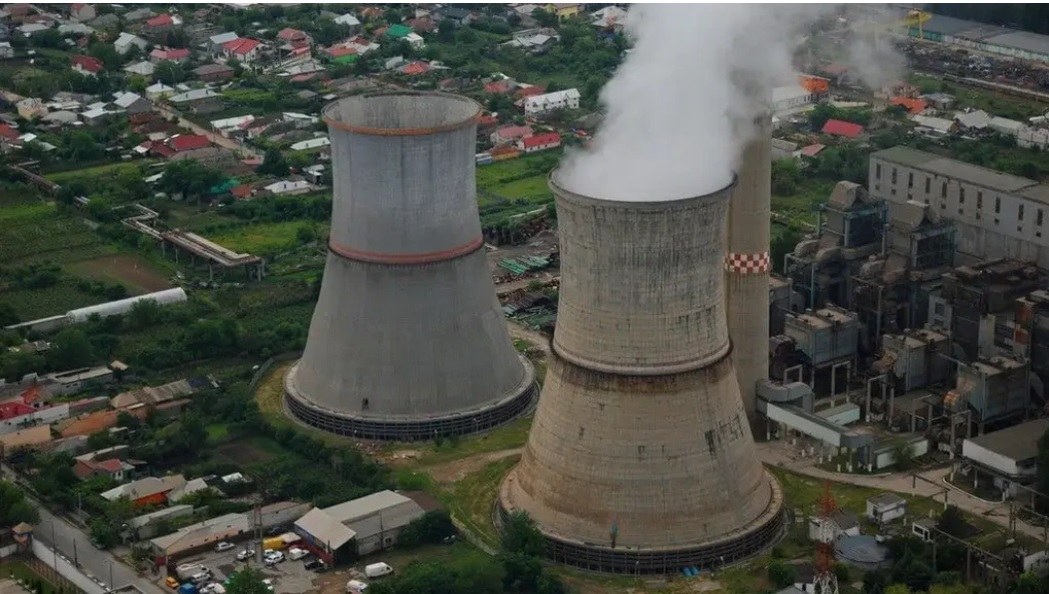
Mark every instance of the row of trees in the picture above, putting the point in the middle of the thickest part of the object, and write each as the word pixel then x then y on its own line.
pixel 14 507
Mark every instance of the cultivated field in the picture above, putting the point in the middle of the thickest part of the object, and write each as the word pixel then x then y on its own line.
pixel 130 270
pixel 265 238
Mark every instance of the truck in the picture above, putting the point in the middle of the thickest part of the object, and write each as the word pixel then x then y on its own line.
pixel 376 570
pixel 187 589
pixel 186 570
pixel 276 543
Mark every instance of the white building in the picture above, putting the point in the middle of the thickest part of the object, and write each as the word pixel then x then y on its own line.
pixel 289 188
pixel 885 507
pixel 372 523
pixel 840 524
pixel 1008 456
pixel 126 40
pixel 6 51
pixel 143 68
pixel 158 91
pixel 347 20
pixel 537 104
pixel 313 143
pixel 227 125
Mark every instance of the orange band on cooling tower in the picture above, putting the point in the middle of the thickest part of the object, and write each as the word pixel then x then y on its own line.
pixel 748 263
pixel 425 258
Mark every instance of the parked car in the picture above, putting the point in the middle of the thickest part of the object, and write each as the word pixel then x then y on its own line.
pixel 274 558
pixel 245 555
pixel 295 553
pixel 377 570
pixel 223 546
pixel 268 582
pixel 315 565
pixel 356 587
pixel 171 582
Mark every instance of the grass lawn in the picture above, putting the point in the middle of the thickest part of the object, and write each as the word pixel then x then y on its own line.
pixel 23 573
pixel 509 436
pixel 263 238
pixel 217 433
pixel 101 171
pixel 534 189
pixel 471 500
pixel 31 304
pixel 489 176
pixel 800 207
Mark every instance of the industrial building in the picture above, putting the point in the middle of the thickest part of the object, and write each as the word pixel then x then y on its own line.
pixel 640 458
pixel 1007 457
pixel 971 35
pixel 408 340
pixel 366 525
pixel 996 215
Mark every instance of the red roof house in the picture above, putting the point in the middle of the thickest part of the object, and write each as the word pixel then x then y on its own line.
pixel 294 37
pixel 8 133
pixel 170 147
pixel 424 25
pixel 340 51
pixel 509 133
pixel 14 408
pixel 87 65
pixel 914 106
pixel 174 55
pixel 530 91
pixel 161 20
pixel 540 142
pixel 842 128
pixel 812 150
pixel 416 68
pixel 500 87
pixel 242 49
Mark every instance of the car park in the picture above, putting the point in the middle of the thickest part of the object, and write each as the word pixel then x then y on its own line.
pixel 223 546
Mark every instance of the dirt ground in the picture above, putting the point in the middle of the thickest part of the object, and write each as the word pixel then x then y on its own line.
pixel 457 470
pixel 128 269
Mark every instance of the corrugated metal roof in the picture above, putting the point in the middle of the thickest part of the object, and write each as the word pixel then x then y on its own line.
pixel 325 529
pixel 1019 442
pixel 960 170
pixel 1023 40
pixel 364 506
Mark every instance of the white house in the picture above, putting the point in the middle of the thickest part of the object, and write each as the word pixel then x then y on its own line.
pixel 840 524
pixel 1005 126
pixel 301 120
pixel 313 143
pixel 126 40
pixel 227 125
pixel 158 91
pixel 143 68
pixel 347 20
pixel 289 188
pixel 6 51
pixel 567 99
pixel 885 507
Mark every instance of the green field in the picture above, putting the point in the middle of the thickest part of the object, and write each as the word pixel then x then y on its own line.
pixel 800 207
pixel 263 238
pixel 533 189
pixel 31 304
pixel 89 174
pixel 37 232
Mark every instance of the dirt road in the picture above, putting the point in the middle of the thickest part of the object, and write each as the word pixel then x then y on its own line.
pixel 538 339
pixel 457 470
pixel 233 145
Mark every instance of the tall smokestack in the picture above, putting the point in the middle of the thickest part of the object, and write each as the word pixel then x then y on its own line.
pixel 407 340
pixel 640 458
pixel 747 263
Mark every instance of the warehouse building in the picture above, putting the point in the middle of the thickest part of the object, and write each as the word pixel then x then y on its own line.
pixel 360 526
pixel 981 37
pixel 995 215
pixel 1007 457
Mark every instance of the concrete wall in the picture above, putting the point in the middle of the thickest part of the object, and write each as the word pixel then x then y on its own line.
pixel 66 569
pixel 38 417
pixel 995 461
pixel 987 219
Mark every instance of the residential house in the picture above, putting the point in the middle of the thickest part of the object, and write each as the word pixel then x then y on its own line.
pixel 610 18
pixel 170 54
pixel 564 11
pixel 108 462
pixel 190 97
pixel 459 16
pixel 61 118
pixel 8 134
pixel 175 146
pixel 161 23
pixel 96 116
pixel 782 149
pixel 294 38
pixel 215 42
pixel 150 490
pixel 538 104
pixel 422 24
pixel 415 68
pixel 69 29
pixel 143 68
pixel 348 20
pixel 539 142
pixel 108 22
pixel 301 120
pixel 912 105
pixel 145 526
pixel 139 14
pixel 973 121
pixel 86 65
pixel 941 101
pixel 499 87
pixel 398 31
pixel 29 438
pixel 6 51
pixel 30 108
pixel 213 72
pixel 510 134
pixel 842 128
pixel 933 126
pixel 243 50
pixel 840 524
pixel 232 126
pixel 371 13
pixel 289 188
pixel 534 42
pixel 1005 126
pixel 127 40
pixel 28 29
pixel 158 91
pixel 96 422
pixel 17 13
pixel 415 40
pixel 313 143
pixel 132 103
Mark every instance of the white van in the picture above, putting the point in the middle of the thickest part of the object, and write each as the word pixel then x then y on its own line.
pixel 296 553
pixel 356 587
pixel 377 570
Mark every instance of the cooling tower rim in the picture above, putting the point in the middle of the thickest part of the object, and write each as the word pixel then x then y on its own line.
pixel 561 191
pixel 331 119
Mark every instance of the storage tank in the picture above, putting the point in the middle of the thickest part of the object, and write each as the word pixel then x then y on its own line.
pixel 408 340
pixel 640 458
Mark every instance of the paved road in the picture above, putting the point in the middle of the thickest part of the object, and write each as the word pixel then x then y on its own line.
pixel 96 564
pixel 218 139
pixel 781 453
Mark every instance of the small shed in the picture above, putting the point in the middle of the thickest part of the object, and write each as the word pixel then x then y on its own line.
pixel 886 507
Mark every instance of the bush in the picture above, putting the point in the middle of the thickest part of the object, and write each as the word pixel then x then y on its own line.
pixel 431 528
pixel 781 574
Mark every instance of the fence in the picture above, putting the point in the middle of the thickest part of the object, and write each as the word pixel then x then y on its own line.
pixel 71 577
pixel 267 365
pixel 50 575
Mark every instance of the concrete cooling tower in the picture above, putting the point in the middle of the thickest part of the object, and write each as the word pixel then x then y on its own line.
pixel 408 340
pixel 640 458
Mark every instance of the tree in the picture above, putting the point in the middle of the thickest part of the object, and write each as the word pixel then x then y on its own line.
pixel 903 455
pixel 545 18
pixel 70 348
pixel 521 535
pixel 785 177
pixel 781 574
pixel 952 522
pixel 898 589
pixel 8 316
pixel 875 582
pixel 80 146
pixel 14 507
pixel 103 532
pixel 247 581
pixel 189 177
pixel 136 83
pixel 446 31
pixel 1042 476
pixel 273 163
pixel 169 73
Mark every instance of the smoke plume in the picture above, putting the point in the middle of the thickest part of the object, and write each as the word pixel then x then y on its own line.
pixel 680 106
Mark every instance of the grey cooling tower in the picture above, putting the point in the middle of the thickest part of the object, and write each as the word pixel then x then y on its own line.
pixel 408 340
pixel 640 458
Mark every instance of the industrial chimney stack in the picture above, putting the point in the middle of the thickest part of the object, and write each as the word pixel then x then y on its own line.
pixel 407 340
pixel 640 457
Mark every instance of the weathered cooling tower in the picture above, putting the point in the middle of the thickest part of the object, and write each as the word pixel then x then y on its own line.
pixel 640 457
pixel 407 340
pixel 747 263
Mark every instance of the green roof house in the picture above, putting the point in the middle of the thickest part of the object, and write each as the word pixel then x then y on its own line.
pixel 398 31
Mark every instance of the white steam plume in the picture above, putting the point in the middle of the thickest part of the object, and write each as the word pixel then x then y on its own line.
pixel 675 117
